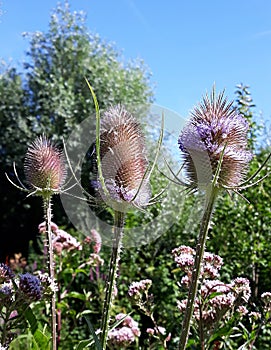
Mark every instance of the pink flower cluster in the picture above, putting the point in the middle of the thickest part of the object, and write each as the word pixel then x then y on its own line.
pixel 126 333
pixel 184 256
pixel 95 239
pixel 241 287
pixel 215 298
pixel 136 289
pixel 62 240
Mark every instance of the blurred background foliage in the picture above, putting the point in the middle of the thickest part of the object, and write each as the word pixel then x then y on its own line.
pixel 49 95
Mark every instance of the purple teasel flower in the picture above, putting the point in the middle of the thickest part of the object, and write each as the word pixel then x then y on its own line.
pixel 216 132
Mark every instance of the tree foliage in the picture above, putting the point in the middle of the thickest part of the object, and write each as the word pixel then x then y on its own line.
pixel 58 62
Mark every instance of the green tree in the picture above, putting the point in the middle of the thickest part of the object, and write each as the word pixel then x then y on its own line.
pixel 58 63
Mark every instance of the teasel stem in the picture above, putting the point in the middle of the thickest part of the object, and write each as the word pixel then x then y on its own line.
pixel 113 267
pixel 211 192
pixel 205 224
pixel 48 220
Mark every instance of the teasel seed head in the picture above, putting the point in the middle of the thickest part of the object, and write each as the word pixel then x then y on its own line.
pixel 44 166
pixel 215 132
pixel 123 158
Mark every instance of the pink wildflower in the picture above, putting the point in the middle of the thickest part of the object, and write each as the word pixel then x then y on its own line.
pixel 137 288
pixel 42 227
pixel 242 310
pixel 97 240
pixel 62 240
pixel 126 333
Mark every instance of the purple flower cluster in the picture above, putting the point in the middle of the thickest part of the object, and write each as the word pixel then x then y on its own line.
pixel 30 286
pixel 6 293
pixel 242 310
pixel 126 333
pixel 215 298
pixel 6 274
pixel 6 290
pixel 215 127
pixel 184 257
pixel 241 286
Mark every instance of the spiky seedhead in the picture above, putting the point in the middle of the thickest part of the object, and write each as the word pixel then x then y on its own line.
pixel 123 157
pixel 44 165
pixel 215 131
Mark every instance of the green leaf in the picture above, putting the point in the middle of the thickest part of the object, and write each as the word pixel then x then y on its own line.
pixel 76 295
pixel 41 341
pixel 84 344
pixel 31 318
pixel 94 335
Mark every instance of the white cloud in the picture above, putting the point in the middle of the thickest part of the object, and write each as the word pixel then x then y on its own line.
pixel 263 33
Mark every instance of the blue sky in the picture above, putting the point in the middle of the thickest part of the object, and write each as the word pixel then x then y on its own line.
pixel 188 45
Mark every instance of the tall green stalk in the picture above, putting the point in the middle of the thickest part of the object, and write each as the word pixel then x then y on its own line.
pixel 48 220
pixel 113 267
pixel 205 224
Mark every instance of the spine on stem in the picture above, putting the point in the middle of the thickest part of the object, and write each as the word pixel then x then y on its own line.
pixel 48 220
